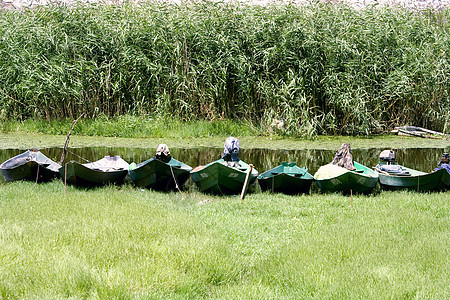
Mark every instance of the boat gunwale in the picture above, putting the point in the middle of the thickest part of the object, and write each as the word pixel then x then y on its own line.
pixel 180 165
pixel 270 173
pixel 412 172
pixel 370 173
pixel 31 157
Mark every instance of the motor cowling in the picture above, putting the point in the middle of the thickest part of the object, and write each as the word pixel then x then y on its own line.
pixel 387 156
pixel 231 149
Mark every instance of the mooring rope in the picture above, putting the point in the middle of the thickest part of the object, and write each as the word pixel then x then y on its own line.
pixel 273 184
pixel 78 156
pixel 37 175
pixel 174 179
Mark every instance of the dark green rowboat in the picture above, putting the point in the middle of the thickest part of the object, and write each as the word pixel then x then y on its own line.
pixel 446 180
pixel 413 180
pixel 331 178
pixel 159 175
pixel 218 178
pixel 30 165
pixel 108 170
pixel 286 178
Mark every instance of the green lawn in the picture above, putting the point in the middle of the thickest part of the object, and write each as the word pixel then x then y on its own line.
pixel 127 243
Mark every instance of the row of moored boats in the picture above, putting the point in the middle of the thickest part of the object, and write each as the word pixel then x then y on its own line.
pixel 228 175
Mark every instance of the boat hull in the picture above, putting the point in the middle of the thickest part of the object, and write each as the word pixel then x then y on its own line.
pixel 363 180
pixel 217 178
pixel 422 182
pixel 158 175
pixel 446 180
pixel 287 179
pixel 30 165
pixel 77 174
pixel 286 184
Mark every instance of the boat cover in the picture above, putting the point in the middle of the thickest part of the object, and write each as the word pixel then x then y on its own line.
pixel 329 171
pixel 443 166
pixel 343 158
pixel 30 155
pixel 393 169
pixel 108 164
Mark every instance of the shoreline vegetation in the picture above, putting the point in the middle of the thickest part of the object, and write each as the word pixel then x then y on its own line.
pixel 296 70
pixel 133 132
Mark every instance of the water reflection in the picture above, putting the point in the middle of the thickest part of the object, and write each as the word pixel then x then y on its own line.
pixel 263 159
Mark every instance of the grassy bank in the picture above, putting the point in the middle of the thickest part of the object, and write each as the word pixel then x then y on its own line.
pixel 127 243
pixel 318 69
pixel 135 127
pixel 21 138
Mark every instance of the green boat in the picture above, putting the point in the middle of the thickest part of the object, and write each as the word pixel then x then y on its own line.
pixel 331 178
pixel 410 179
pixel 219 178
pixel 108 170
pixel 158 175
pixel 30 165
pixel 444 164
pixel 287 179
pixel 446 180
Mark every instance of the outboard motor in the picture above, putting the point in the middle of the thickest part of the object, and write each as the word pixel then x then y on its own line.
pixel 163 153
pixel 444 163
pixel 231 150
pixel 444 159
pixel 387 156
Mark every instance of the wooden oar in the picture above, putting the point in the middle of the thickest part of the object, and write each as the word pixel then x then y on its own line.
pixel 247 179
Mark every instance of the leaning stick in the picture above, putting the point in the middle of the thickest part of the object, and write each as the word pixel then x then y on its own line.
pixel 247 179
pixel 65 178
pixel 63 155
pixel 37 175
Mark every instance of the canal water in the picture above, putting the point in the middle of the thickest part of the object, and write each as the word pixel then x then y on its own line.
pixel 423 159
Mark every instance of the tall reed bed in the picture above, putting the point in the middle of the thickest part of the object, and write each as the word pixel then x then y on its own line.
pixel 299 70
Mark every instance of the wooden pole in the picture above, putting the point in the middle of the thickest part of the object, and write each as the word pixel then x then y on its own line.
pixel 247 179
pixel 37 175
pixel 351 198
pixel 66 144
pixel 65 178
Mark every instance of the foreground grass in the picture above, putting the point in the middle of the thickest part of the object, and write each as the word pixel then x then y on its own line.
pixel 129 243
